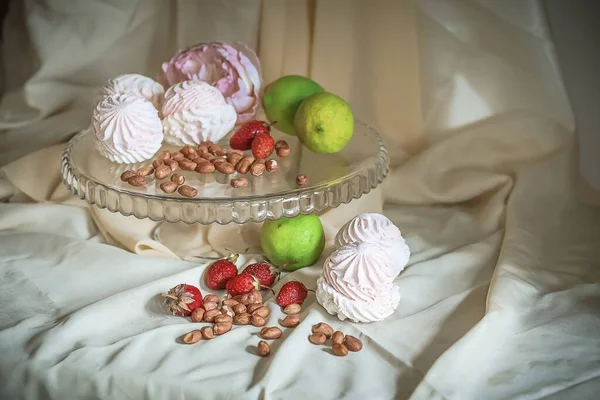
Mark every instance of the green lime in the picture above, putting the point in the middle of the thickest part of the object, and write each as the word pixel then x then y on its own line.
pixel 293 243
pixel 283 97
pixel 324 123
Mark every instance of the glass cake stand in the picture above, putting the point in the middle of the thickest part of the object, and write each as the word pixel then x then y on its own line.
pixel 333 179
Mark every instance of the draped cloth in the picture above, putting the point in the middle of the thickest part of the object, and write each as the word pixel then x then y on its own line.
pixel 501 297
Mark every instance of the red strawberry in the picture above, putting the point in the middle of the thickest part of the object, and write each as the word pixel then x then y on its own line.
pixel 219 272
pixel 263 145
pixel 265 272
pixel 242 284
pixel 242 138
pixel 293 292
pixel 183 299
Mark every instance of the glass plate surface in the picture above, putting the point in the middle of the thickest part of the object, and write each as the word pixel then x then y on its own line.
pixel 334 179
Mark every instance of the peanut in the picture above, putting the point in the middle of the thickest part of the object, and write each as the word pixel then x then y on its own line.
pixel 195 157
pixel 238 182
pixel 243 166
pixel 177 156
pixel 317 338
pixel 210 315
pixel 224 167
pixel 234 158
pixel 301 180
pixel 261 312
pixel 211 298
pixel 205 167
pixel 157 163
pixel 213 148
pixel 339 350
pixel 165 155
pixel 187 150
pixel 226 310
pixel 257 168
pixel 162 171
pixel 187 191
pixel 223 318
pixel 125 176
pixel 207 332
pixel 210 305
pixel 255 297
pixel 202 149
pixel 352 343
pixel 239 309
pixel 145 171
pixel 258 320
pixel 236 151
pixel 168 186
pixel 197 314
pixel 254 307
pixel 263 349
pixel 337 337
pixel 136 180
pixel 271 333
pixel 187 165
pixel 282 148
pixel 271 165
pixel 292 309
pixel 178 179
pixel 172 164
pixel 290 322
pixel 208 157
pixel 323 328
pixel 220 154
pixel 230 302
pixel 192 337
pixel 242 319
pixel 221 328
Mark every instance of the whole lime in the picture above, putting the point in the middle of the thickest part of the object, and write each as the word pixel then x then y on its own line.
pixel 293 243
pixel 283 97
pixel 324 123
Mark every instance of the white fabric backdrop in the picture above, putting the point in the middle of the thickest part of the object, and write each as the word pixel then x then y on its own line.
pixel 502 295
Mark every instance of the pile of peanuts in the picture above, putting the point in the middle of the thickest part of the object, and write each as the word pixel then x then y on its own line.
pixel 205 159
pixel 248 309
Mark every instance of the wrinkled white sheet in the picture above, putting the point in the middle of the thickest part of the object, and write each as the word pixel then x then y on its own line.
pixel 502 296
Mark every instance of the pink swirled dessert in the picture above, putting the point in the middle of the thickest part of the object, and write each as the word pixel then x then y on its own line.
pixel 126 128
pixel 357 281
pixel 357 284
pixel 194 112
pixel 137 85
pixel 378 229
pixel 234 69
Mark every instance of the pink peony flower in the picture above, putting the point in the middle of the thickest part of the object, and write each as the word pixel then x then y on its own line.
pixel 232 68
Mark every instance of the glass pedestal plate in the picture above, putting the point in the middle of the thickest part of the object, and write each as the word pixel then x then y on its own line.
pixel 333 179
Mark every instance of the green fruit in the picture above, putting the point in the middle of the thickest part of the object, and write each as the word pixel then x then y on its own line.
pixel 283 97
pixel 324 123
pixel 293 243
